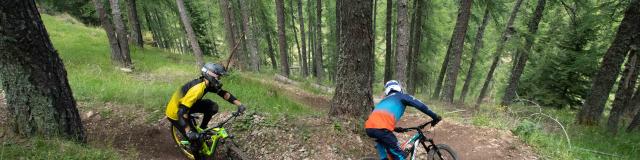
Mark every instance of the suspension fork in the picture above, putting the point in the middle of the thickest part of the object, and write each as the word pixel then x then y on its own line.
pixel 432 144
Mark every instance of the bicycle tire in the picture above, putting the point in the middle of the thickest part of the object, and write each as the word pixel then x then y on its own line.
pixel 230 151
pixel 448 153
pixel 177 137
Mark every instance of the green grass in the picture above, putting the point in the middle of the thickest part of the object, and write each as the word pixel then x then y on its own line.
pixel 549 140
pixel 157 74
pixel 41 148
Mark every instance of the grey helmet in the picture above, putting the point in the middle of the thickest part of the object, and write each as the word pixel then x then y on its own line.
pixel 213 68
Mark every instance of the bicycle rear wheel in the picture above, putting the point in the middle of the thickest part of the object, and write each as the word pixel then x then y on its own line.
pixel 444 152
pixel 178 138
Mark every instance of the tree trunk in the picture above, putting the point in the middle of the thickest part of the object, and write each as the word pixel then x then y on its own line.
pixel 229 25
pixel 282 39
pixel 252 45
pixel 605 78
pixel 267 31
pixel 116 57
pixel 457 45
pixel 509 29
pixel 443 70
pixel 318 53
pixel 624 93
pixel 523 55
pixel 373 25
pixel 474 54
pixel 305 70
pixel 353 94
pixel 38 96
pixel 121 34
pixel 634 123
pixel 388 56
pixel 402 46
pixel 414 49
pixel 190 34
pixel 295 36
pixel 136 34
pixel 272 55
pixel 312 42
pixel 154 33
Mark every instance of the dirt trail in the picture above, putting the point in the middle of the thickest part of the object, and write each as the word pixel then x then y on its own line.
pixel 286 137
pixel 471 142
pixel 128 133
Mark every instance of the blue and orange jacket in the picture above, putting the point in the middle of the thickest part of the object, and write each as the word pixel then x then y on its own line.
pixel 391 108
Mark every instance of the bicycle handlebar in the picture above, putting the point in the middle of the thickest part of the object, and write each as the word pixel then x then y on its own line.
pixel 419 127
pixel 233 115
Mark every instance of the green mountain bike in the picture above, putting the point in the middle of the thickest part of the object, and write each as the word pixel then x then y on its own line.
pixel 434 151
pixel 216 143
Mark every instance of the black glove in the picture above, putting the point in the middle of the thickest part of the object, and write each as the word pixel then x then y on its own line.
pixel 192 136
pixel 241 109
pixel 399 129
pixel 436 121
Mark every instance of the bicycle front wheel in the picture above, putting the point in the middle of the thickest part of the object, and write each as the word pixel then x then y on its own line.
pixel 178 138
pixel 444 152
pixel 230 151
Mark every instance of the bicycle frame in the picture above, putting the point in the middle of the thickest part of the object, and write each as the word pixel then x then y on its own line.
pixel 214 135
pixel 419 139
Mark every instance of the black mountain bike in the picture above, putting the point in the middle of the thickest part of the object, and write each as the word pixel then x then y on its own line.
pixel 434 151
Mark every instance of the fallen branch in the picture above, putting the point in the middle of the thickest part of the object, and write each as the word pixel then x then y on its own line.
pixel 545 115
pixel 286 80
pixel 599 152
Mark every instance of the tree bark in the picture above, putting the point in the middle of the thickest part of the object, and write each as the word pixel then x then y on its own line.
pixel 353 94
pixel 267 31
pixel 605 78
pixel 402 45
pixel 295 36
pixel 414 49
pixel 305 70
pixel 116 57
pixel 457 44
pixel 229 26
pixel 318 53
pixel 474 54
pixel 121 34
pixel 136 34
pixel 624 93
pixel 509 29
pixel 282 39
pixel 634 123
pixel 272 55
pixel 190 34
pixel 388 56
pixel 38 96
pixel 523 55
pixel 443 71
pixel 252 45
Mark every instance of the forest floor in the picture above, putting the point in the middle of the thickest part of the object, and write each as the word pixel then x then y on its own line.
pixel 288 137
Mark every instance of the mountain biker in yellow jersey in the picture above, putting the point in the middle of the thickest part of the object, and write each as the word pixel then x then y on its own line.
pixel 382 120
pixel 188 99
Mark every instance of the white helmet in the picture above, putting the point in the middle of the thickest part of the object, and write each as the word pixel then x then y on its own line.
pixel 392 85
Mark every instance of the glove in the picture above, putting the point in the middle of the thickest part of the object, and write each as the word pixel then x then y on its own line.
pixel 192 136
pixel 399 129
pixel 436 121
pixel 241 109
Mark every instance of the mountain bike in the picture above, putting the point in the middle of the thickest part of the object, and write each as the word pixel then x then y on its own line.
pixel 215 143
pixel 434 151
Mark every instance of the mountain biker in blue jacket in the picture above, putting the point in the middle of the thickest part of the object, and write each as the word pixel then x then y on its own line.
pixel 188 99
pixel 386 114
